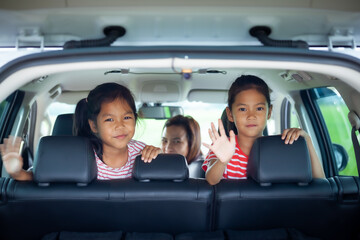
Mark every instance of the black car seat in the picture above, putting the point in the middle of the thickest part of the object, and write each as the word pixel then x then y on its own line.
pixel 60 197
pixel 65 195
pixel 195 168
pixel 280 193
pixel 63 125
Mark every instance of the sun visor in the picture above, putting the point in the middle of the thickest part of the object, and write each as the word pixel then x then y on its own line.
pixel 160 92
pixel 208 96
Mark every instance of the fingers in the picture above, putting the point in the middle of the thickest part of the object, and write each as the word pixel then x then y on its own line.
pixel 149 153
pixel 211 135
pixel 206 145
pixel 214 131
pixel 11 144
pixel 221 128
pixel 214 134
pixel 290 135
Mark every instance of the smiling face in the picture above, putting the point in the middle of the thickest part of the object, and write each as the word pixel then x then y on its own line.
pixel 115 125
pixel 174 140
pixel 249 112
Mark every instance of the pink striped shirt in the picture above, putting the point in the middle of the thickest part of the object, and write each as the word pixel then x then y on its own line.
pixel 105 172
pixel 236 168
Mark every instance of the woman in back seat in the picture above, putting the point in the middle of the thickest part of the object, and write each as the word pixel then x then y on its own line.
pixel 181 134
pixel 249 109
pixel 108 117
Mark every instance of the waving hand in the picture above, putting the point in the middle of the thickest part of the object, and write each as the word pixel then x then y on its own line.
pixel 222 146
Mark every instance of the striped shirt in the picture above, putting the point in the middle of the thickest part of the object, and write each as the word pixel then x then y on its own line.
pixel 105 172
pixel 236 168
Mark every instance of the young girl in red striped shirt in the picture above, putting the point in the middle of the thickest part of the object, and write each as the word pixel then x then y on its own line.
pixel 108 117
pixel 248 109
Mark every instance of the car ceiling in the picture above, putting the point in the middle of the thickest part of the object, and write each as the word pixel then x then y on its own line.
pixel 148 23
pixel 166 83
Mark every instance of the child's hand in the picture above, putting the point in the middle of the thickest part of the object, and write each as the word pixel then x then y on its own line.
pixel 149 153
pixel 10 155
pixel 292 134
pixel 223 148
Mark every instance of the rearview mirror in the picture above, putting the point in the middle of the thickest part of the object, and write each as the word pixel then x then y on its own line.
pixel 160 112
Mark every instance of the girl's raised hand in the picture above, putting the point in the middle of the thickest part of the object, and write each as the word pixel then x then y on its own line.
pixel 292 134
pixel 223 147
pixel 149 153
pixel 10 154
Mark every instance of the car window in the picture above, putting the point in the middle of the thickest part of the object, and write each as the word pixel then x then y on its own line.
pixel 5 109
pixel 53 110
pixel 334 112
pixel 294 121
pixel 150 130
pixel 2 109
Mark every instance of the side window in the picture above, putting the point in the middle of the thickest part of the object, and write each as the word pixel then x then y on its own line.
pixel 294 121
pixel 2 109
pixel 8 110
pixel 334 112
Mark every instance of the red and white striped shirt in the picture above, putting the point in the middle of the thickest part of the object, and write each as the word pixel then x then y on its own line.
pixel 236 168
pixel 105 172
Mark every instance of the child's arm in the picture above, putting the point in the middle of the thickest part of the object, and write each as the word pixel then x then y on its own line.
pixel 223 148
pixel 292 134
pixel 149 153
pixel 12 160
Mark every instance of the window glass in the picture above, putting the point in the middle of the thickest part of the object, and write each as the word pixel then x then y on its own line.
pixel 334 112
pixel 294 121
pixel 2 107
pixel 150 130
pixel 53 110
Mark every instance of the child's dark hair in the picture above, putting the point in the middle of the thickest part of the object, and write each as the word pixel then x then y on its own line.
pixel 192 129
pixel 246 82
pixel 89 108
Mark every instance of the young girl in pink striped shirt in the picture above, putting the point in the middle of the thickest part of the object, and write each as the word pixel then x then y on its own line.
pixel 248 109
pixel 108 117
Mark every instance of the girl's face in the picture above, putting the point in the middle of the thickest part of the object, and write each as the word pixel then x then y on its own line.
pixel 249 112
pixel 115 125
pixel 174 140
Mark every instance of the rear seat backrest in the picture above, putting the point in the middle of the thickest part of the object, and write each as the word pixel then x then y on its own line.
pixel 169 202
pixel 63 125
pixel 162 198
pixel 272 197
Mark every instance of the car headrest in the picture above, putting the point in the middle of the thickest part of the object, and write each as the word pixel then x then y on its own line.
pixel 63 125
pixel 273 161
pixel 163 167
pixel 64 159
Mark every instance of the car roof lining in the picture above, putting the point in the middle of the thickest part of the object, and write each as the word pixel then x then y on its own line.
pixel 82 76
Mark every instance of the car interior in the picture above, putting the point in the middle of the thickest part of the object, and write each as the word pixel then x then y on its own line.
pixel 188 74
pixel 279 197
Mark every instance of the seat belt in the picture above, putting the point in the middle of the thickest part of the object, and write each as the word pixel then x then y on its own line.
pixel 355 123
